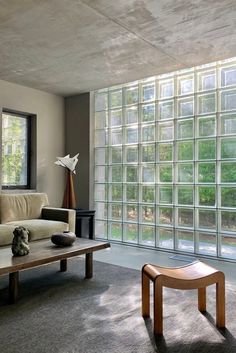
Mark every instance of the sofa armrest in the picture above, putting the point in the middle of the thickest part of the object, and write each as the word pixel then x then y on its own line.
pixel 60 214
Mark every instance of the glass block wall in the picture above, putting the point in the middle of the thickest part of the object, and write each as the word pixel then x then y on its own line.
pixel 165 153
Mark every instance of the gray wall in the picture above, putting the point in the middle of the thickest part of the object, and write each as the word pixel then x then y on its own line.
pixel 50 113
pixel 77 140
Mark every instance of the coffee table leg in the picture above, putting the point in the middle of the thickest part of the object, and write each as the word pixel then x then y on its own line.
pixel 13 286
pixel 89 265
pixel 63 265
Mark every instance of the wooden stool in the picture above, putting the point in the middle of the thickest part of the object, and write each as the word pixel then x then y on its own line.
pixel 197 275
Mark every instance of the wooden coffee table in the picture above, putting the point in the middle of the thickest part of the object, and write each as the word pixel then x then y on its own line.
pixel 43 252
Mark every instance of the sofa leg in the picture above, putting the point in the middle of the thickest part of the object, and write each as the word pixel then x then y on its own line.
pixel 63 265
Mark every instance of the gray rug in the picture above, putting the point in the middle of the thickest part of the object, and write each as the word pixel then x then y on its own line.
pixel 63 313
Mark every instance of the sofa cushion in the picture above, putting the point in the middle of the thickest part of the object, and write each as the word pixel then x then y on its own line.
pixel 6 234
pixel 40 228
pixel 22 206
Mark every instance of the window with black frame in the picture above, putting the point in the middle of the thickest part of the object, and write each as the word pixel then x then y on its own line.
pixel 15 150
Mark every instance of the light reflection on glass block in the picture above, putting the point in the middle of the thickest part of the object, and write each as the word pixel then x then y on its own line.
pixel 228 247
pixel 166 110
pixel 185 241
pixel 165 238
pixel 101 210
pixel 228 100
pixel 131 95
pixel 116 137
pixel 185 107
pixel 131 115
pixel 148 92
pixel 101 120
pixel 132 135
pixel 207 243
pixel 100 138
pixel 166 88
pixel 228 76
pixel 100 156
pixel 115 117
pixel 100 192
pixel 185 85
pixel 101 101
pixel 101 229
pixel 165 131
pixel 206 103
pixel 115 98
pixel 206 126
pixel 148 174
pixel 148 112
pixel 130 233
pixel 228 124
pixel 206 80
pixel 100 175
pixel 147 234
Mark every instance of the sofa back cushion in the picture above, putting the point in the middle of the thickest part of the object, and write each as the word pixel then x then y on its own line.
pixel 15 207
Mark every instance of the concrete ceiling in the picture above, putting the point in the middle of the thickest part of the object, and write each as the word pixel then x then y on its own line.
pixel 73 46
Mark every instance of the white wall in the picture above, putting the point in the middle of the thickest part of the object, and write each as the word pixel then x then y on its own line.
pixel 49 109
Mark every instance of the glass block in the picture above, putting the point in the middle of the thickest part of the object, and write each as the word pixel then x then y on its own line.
pixel 131 153
pixel 207 219
pixel 165 131
pixel 116 192
pixel 206 172
pixel 148 113
pixel 185 173
pixel 185 107
pixel 228 247
pixel 131 193
pixel 116 173
pixel 116 212
pixel 101 229
pixel 131 174
pixel 131 233
pixel 100 156
pixel 147 235
pixel 206 126
pixel 206 80
pixel 165 238
pixel 148 133
pixel 115 231
pixel 116 154
pixel 131 115
pixel 228 148
pixel 100 174
pixel 228 197
pixel 148 193
pixel 101 210
pixel 228 76
pixel 228 100
pixel 148 153
pixel 166 110
pixel 148 174
pixel 131 213
pixel 165 152
pixel 165 194
pixel 148 214
pixel 228 221
pixel 228 172
pixel 101 101
pixel 185 85
pixel 207 195
pixel 207 149
pixel 115 117
pixel 100 138
pixel 100 192
pixel 185 217
pixel 166 88
pixel 115 98
pixel 185 129
pixel 228 124
pixel 116 137
pixel 165 173
pixel 185 241
pixel 101 120
pixel 207 244
pixel 165 215
pixel 131 95
pixel 206 103
pixel 185 195
pixel 148 92
pixel 132 135
pixel 185 150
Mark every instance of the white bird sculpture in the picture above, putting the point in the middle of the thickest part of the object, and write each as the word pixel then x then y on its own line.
pixel 68 162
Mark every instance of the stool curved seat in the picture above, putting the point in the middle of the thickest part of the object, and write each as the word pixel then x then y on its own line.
pixel 192 276
pixel 196 275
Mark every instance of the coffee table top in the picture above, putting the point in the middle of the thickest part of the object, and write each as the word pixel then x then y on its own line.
pixel 44 252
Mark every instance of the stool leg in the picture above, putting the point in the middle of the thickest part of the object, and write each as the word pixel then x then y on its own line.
pixel 158 308
pixel 145 295
pixel 220 303
pixel 202 299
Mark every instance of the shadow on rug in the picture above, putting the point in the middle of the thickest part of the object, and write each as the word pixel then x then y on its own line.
pixel 63 313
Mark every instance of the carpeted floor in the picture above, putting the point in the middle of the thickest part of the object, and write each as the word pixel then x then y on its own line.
pixel 63 313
